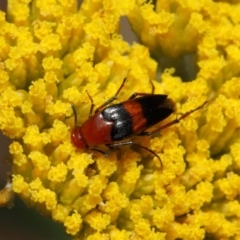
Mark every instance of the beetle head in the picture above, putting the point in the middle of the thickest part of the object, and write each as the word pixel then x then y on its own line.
pixel 77 138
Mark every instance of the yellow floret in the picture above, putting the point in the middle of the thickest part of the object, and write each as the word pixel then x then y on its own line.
pixel 69 23
pixel 36 184
pixel 48 197
pixel 25 48
pixel 229 185
pixel 116 234
pixel 132 174
pixel 142 228
pixel 4 78
pixel 59 132
pixel 114 199
pixel 20 160
pixel 34 138
pixel 42 28
pixel 224 162
pixel 19 10
pixel 87 202
pixel 215 223
pixel 51 77
pixel 233 55
pixel 49 8
pixel 79 161
pixel 231 88
pixel 38 90
pixel 62 152
pixel 203 146
pixel 85 53
pixel 202 194
pixel 39 160
pixel 60 212
pixel 73 223
pixel 186 231
pixel 97 184
pixel 73 95
pixel 135 210
pixel 164 216
pixel 11 125
pixel 50 43
pixel 97 220
pixel 16 148
pixel 58 173
pixel 216 118
pixel 201 168
pixel 178 199
pixel 159 22
pixel 19 185
pixel 81 178
pixel 106 165
pixel 197 23
pixel 58 108
pixel 50 63
pixel 12 98
pixel 97 29
pixel 210 68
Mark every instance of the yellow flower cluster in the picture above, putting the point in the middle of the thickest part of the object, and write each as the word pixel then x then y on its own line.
pixel 53 53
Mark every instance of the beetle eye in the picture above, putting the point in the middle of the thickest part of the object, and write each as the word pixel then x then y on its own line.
pixel 77 139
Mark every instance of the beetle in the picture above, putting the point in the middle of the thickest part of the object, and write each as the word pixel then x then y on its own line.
pixel 110 125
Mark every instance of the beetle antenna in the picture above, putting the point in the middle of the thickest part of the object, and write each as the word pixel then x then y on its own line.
pixel 75 114
pixel 153 87
pixel 92 104
pixel 112 98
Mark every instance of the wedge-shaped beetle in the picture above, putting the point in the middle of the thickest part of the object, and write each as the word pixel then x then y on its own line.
pixel 111 125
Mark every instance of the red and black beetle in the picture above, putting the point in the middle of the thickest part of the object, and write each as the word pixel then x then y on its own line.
pixel 112 124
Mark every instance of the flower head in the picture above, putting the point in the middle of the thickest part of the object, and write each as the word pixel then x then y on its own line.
pixel 54 55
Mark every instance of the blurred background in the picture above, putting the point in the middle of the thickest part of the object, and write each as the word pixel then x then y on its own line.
pixel 20 222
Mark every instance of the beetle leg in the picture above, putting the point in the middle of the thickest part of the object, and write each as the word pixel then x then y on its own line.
pixel 100 151
pixel 111 148
pixel 75 114
pixel 144 134
pixel 134 95
pixel 134 144
pixel 113 98
pixel 106 154
pixel 177 120
pixel 92 104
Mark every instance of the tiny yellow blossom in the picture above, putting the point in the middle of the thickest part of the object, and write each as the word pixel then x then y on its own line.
pixel 97 220
pixel 228 185
pixel 60 213
pixel 73 223
pixel 114 199
pixel 18 184
pixel 163 217
pixel 48 197
pixel 51 63
pixel 39 160
pixel 58 173
pixel 59 132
